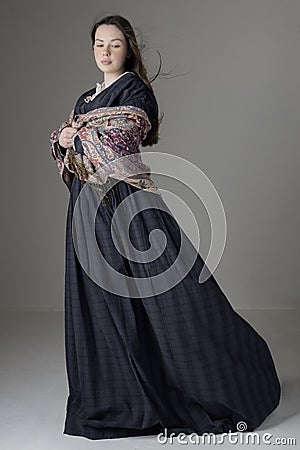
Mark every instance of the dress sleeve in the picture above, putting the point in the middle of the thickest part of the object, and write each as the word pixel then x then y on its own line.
pixel 58 152
pixel 62 149
pixel 138 94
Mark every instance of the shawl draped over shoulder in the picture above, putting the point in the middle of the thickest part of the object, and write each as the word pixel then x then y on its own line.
pixel 107 144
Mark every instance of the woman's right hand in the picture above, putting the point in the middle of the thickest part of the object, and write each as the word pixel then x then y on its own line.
pixel 65 137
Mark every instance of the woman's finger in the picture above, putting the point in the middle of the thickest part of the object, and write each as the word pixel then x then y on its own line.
pixel 71 132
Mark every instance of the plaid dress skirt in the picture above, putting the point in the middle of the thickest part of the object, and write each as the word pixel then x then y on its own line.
pixel 180 361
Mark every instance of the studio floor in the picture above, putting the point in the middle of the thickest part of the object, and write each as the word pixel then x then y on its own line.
pixel 34 386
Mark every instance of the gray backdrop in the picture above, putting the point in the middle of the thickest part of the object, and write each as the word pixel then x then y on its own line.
pixel 233 111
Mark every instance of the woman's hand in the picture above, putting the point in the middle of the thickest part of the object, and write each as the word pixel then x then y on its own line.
pixel 65 137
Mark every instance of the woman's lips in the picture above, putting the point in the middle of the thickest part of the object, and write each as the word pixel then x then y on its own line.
pixel 105 62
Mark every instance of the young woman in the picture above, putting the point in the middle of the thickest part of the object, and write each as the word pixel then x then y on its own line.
pixel 141 361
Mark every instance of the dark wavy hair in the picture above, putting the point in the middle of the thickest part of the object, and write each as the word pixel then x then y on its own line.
pixel 134 63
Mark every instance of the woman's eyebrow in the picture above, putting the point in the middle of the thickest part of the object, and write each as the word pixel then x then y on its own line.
pixel 116 39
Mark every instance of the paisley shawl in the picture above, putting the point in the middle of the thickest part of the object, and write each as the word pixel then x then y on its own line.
pixel 108 147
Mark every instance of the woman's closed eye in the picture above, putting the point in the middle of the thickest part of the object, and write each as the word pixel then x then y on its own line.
pixel 100 45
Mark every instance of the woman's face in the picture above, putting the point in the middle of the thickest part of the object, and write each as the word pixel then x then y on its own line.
pixel 111 46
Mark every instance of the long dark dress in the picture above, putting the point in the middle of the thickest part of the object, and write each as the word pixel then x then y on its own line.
pixel 180 361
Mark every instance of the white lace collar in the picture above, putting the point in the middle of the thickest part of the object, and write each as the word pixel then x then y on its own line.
pixel 99 88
